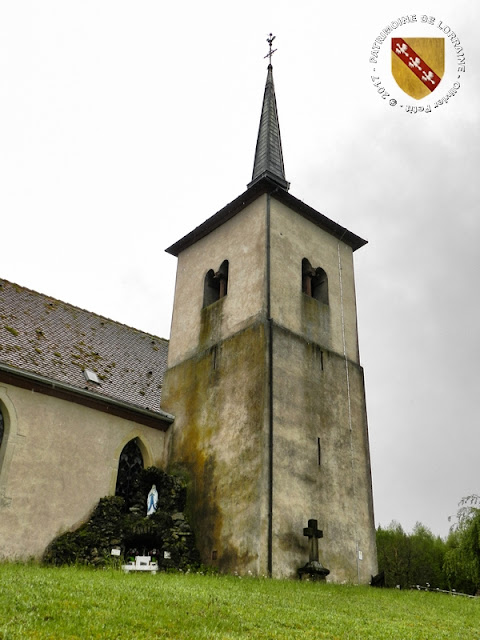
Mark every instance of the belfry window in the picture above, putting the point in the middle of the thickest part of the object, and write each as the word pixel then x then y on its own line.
pixel 130 466
pixel 216 284
pixel 314 282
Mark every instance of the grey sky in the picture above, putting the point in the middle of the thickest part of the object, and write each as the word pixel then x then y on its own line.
pixel 125 125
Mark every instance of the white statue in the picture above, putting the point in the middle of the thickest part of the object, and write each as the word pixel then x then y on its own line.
pixel 152 500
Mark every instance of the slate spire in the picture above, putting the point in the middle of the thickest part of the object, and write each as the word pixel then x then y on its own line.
pixel 268 153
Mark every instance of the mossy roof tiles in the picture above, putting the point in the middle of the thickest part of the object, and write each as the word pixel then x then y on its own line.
pixel 55 340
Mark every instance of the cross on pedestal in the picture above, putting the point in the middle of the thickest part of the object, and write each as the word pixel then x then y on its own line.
pixel 314 568
pixel 313 533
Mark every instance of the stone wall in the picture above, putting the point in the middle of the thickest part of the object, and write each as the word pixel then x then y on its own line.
pixel 219 439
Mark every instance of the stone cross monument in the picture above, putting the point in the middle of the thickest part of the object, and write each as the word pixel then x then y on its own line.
pixel 313 568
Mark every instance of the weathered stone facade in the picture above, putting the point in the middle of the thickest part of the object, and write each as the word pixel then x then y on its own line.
pixel 268 397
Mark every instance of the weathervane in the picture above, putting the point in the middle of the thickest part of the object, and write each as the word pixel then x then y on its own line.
pixel 269 55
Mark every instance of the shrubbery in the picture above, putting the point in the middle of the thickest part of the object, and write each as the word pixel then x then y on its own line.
pixel 114 524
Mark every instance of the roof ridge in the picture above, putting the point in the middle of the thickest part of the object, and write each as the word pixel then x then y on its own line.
pixel 77 308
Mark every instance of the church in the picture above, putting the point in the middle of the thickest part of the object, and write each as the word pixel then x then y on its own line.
pixel 257 398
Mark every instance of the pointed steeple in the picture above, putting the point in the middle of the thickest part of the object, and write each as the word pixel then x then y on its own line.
pixel 268 153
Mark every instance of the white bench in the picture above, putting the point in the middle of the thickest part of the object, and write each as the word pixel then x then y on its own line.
pixel 142 563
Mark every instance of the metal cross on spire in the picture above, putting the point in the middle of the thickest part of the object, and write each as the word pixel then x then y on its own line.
pixel 268 152
pixel 269 55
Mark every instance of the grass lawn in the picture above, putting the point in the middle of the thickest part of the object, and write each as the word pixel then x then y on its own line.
pixel 76 603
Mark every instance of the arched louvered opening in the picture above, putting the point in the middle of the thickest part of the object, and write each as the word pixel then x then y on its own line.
pixel 314 282
pixel 215 284
pixel 320 286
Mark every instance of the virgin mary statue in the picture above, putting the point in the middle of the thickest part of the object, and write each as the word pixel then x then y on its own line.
pixel 152 500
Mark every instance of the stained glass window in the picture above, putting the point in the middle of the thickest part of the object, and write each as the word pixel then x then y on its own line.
pixel 2 427
pixel 129 467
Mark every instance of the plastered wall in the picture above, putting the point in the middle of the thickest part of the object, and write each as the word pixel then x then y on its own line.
pixel 57 460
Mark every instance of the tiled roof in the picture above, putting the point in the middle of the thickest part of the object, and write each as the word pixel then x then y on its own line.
pixel 55 340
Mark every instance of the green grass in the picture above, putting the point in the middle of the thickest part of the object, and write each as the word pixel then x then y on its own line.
pixel 76 603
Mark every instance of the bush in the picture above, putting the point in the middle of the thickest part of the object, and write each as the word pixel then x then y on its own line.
pixel 113 525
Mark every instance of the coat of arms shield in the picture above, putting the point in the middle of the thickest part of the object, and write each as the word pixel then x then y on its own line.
pixel 418 64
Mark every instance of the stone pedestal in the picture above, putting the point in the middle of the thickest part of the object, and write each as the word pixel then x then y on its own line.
pixel 313 570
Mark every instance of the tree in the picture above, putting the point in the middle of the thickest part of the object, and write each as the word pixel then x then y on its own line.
pixel 411 559
pixel 462 560
pixel 427 557
pixel 393 554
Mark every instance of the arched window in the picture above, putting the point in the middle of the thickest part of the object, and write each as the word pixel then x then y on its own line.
pixel 130 466
pixel 3 437
pixel 2 427
pixel 216 284
pixel 314 282
pixel 8 431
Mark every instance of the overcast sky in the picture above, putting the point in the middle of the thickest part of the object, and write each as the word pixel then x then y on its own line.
pixel 126 124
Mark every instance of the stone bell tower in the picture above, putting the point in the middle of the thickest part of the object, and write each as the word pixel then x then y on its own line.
pixel 265 383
